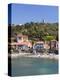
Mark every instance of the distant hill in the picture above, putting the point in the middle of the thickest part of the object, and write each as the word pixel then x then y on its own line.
pixel 36 30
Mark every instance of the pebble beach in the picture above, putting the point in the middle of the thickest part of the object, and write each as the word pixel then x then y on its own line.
pixel 50 56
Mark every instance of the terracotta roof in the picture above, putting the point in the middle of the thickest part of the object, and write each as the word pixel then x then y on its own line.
pixel 22 43
pixel 20 35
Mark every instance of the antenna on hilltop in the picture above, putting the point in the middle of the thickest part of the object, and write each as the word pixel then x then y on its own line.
pixel 43 21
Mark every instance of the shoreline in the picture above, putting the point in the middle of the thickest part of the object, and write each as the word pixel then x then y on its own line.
pixel 47 56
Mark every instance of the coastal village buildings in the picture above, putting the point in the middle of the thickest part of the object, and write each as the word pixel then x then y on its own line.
pixel 54 44
pixel 21 39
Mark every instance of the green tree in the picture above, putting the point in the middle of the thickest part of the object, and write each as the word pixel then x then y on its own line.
pixel 48 38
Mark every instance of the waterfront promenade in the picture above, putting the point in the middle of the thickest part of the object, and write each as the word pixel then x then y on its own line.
pixel 50 56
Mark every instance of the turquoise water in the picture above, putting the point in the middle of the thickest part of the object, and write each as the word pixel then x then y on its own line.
pixel 33 66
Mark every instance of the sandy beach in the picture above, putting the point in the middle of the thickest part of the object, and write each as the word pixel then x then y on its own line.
pixel 50 56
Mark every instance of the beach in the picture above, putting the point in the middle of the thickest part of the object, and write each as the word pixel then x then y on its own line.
pixel 49 56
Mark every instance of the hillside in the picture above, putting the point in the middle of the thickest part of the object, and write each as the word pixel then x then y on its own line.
pixel 36 30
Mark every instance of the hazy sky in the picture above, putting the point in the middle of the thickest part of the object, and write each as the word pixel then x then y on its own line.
pixel 22 13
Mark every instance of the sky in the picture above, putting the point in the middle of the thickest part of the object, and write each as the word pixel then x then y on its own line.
pixel 23 13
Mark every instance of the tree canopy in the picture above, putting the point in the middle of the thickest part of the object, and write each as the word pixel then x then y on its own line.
pixel 43 31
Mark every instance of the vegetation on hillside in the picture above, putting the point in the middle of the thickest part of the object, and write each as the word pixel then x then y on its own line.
pixel 42 31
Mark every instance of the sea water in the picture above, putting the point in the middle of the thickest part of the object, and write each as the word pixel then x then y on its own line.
pixel 25 66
